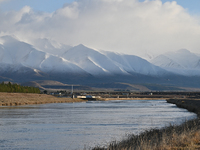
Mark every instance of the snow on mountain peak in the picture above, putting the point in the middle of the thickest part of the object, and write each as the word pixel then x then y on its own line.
pixel 97 63
pixel 50 46
pixel 81 46
pixel 90 60
pixel 181 62
pixel 13 50
pixel 7 39
pixel 148 56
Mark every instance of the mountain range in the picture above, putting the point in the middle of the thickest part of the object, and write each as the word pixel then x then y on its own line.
pixel 44 59
pixel 181 62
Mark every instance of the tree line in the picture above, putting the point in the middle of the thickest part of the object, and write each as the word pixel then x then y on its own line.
pixel 16 88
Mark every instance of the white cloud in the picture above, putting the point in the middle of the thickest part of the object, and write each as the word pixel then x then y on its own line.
pixel 70 11
pixel 126 26
pixel 3 1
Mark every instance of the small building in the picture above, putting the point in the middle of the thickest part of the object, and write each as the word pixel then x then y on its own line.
pixel 80 96
pixel 87 96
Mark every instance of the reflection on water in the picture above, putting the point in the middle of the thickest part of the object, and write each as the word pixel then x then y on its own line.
pixel 78 125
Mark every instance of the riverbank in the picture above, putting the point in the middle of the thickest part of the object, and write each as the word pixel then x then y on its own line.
pixel 174 137
pixel 15 99
pixel 192 105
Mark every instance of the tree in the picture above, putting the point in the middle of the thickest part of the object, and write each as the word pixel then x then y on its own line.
pixel 45 92
pixel 17 88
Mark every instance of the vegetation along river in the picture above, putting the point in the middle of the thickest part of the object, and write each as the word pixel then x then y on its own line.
pixel 73 126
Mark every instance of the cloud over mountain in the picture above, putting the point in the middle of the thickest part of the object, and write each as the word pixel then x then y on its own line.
pixel 127 26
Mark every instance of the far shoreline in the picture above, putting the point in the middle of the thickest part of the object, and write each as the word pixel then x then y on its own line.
pixel 16 99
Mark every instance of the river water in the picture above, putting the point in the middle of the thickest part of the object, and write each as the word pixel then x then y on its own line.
pixel 74 126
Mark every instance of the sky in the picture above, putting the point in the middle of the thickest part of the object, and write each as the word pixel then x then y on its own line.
pixel 124 26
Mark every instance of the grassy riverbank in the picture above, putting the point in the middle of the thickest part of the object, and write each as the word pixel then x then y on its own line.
pixel 14 99
pixel 175 137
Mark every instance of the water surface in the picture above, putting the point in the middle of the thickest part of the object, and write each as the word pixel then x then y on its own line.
pixel 73 126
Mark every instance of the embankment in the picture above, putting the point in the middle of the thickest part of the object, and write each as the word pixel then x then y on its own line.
pixel 192 105
pixel 14 99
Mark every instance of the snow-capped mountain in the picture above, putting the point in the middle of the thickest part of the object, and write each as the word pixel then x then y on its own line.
pixel 50 46
pixel 148 56
pixel 17 53
pixel 108 63
pixel 44 59
pixel 91 61
pixel 181 62
pixel 78 59
pixel 134 64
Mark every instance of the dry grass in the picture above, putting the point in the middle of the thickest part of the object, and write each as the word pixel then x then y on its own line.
pixel 13 99
pixel 192 105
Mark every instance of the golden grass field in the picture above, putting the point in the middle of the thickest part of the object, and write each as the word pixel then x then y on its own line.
pixel 14 99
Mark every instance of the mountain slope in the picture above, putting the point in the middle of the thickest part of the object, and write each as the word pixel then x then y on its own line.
pixel 12 51
pixel 15 52
pixel 91 61
pixel 109 63
pixel 50 46
pixel 181 62
pixel 134 64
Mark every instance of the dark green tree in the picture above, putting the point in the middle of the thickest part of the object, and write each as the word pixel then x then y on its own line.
pixel 17 88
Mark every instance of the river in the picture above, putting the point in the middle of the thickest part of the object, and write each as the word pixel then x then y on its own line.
pixel 74 126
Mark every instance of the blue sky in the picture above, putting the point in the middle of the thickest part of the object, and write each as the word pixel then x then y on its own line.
pixel 192 5
pixel 37 5
pixel 51 5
